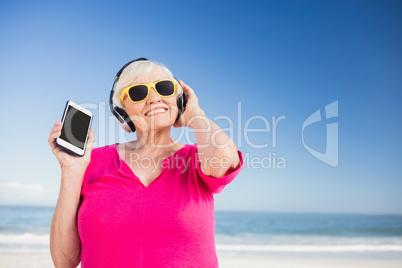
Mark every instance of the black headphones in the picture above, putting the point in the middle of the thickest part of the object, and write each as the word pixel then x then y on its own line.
pixel 121 115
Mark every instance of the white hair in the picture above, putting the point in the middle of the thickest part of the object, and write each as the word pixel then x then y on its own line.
pixel 133 71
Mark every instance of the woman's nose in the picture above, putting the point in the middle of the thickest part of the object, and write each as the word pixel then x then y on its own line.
pixel 153 96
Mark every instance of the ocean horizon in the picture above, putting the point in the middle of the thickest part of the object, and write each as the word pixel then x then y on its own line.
pixel 25 229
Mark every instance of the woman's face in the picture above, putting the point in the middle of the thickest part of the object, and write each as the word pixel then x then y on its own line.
pixel 155 112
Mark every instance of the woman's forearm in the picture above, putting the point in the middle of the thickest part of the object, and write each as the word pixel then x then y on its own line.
pixel 216 150
pixel 65 244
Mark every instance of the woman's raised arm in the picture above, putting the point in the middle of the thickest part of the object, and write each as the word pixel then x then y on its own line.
pixel 216 151
pixel 65 243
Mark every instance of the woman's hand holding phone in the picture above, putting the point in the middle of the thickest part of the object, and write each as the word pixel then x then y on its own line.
pixel 69 162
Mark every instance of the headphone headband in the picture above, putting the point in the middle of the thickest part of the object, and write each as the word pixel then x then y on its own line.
pixel 116 78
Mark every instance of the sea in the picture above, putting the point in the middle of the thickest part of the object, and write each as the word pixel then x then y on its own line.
pixel 25 229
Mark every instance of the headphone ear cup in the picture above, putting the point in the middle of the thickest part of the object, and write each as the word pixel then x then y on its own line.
pixel 121 116
pixel 181 104
pixel 124 120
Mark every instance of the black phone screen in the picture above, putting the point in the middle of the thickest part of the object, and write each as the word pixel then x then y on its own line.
pixel 75 127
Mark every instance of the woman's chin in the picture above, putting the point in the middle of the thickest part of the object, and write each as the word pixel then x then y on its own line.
pixel 160 125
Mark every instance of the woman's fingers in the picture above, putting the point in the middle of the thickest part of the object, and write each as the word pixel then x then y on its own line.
pixel 91 138
pixel 190 95
pixel 55 132
pixel 90 143
pixel 56 127
pixel 192 110
pixel 187 90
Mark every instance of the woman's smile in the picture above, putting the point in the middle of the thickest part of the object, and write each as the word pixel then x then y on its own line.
pixel 156 111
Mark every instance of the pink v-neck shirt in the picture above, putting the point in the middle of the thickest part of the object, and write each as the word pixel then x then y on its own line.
pixel 170 223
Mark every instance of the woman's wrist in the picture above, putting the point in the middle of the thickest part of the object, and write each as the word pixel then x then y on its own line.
pixel 72 170
pixel 72 175
pixel 198 119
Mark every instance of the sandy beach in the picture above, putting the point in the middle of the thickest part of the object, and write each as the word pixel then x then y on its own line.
pixel 304 262
pixel 13 260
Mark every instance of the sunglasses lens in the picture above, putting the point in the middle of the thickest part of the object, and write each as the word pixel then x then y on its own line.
pixel 138 93
pixel 165 88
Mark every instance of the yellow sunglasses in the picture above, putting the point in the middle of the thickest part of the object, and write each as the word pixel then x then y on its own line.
pixel 140 92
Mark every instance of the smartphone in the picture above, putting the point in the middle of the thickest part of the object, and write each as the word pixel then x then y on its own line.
pixel 76 122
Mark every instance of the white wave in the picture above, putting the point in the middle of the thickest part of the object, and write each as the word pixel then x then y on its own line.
pixel 300 240
pixel 311 248
pixel 25 239
pixel 25 251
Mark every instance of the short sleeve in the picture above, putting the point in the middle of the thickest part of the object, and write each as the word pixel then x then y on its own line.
pixel 216 185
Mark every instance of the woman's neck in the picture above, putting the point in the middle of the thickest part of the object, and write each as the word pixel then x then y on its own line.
pixel 155 139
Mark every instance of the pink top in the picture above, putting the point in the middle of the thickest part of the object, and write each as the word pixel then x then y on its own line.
pixel 170 223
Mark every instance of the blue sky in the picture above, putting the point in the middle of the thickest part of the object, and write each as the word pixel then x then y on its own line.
pixel 260 59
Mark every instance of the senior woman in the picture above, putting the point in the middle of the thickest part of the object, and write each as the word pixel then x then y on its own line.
pixel 147 202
